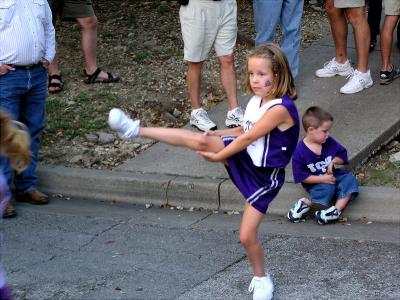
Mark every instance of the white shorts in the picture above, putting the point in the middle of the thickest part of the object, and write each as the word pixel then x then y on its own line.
pixel 349 3
pixel 205 23
pixel 392 7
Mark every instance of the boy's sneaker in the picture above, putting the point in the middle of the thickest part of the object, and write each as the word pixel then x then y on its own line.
pixel 262 288
pixel 297 211
pixel 333 68
pixel 199 119
pixel 125 126
pixel 327 215
pixel 357 82
pixel 234 117
pixel 387 77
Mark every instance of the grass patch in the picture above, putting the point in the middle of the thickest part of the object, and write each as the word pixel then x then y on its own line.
pixel 81 115
pixel 141 56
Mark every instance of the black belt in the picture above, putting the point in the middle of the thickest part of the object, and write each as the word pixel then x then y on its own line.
pixel 27 67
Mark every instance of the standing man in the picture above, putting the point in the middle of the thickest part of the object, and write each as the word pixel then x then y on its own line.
pixel 81 11
pixel 267 15
pixel 389 71
pixel 23 81
pixel 339 11
pixel 204 24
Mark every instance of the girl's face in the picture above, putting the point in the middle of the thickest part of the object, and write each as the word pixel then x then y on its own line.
pixel 320 135
pixel 261 77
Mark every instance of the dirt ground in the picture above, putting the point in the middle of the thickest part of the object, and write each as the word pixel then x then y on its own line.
pixel 141 42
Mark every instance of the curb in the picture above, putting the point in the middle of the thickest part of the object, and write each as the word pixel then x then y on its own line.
pixel 377 204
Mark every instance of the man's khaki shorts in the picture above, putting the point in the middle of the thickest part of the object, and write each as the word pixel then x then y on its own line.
pixel 392 7
pixel 71 9
pixel 349 3
pixel 205 23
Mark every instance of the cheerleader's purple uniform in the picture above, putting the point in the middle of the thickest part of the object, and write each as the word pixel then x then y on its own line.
pixel 259 170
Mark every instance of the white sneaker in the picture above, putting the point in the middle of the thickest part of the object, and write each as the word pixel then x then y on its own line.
pixel 333 68
pixel 262 288
pixel 327 215
pixel 199 119
pixel 357 82
pixel 297 211
pixel 234 117
pixel 125 126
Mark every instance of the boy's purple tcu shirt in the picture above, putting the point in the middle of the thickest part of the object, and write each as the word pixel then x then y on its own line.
pixel 306 163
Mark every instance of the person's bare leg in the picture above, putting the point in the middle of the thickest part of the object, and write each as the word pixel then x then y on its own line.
pixel 89 44
pixel 338 23
pixel 228 79
pixel 362 36
pixel 389 24
pixel 193 79
pixel 341 203
pixel 183 138
pixel 53 70
pixel 248 237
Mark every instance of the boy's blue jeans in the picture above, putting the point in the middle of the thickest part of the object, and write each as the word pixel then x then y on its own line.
pixel 324 193
pixel 23 95
pixel 268 13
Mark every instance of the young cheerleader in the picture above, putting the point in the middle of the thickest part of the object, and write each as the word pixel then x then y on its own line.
pixel 255 154
pixel 14 144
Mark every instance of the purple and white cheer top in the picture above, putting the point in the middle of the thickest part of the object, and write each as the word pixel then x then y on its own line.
pixel 275 149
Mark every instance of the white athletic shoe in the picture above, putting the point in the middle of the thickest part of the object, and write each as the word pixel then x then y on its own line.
pixel 357 82
pixel 199 119
pixel 262 288
pixel 333 68
pixel 234 117
pixel 327 215
pixel 125 126
pixel 297 211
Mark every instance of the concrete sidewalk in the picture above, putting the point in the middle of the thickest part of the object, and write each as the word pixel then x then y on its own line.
pixel 165 174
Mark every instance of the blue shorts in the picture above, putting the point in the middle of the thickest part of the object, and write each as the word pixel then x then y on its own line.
pixel 324 193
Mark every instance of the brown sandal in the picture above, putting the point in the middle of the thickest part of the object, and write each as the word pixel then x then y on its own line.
pixel 58 85
pixel 93 78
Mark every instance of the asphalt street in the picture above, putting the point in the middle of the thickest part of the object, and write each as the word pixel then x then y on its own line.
pixel 77 249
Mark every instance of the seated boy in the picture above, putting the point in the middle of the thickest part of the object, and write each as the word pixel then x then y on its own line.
pixel 313 165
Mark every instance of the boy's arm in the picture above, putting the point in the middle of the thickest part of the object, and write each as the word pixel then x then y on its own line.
pixel 335 161
pixel 314 179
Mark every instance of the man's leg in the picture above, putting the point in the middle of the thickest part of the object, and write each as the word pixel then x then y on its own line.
pixel 338 23
pixel 291 32
pixel 361 36
pixel 228 79
pixel 388 27
pixel 55 84
pixel 32 114
pixel 267 14
pixel 89 43
pixel 11 88
pixel 193 79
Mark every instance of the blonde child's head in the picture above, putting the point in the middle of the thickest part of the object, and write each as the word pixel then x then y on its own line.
pixel 14 142
pixel 283 82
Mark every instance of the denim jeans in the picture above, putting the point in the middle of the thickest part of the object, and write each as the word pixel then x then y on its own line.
pixel 267 15
pixel 324 194
pixel 23 95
